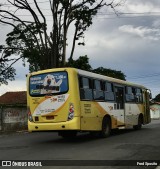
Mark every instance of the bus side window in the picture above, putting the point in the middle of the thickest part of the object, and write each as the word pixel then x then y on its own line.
pixel 139 97
pixel 85 85
pixel 130 94
pixel 109 93
pixel 98 90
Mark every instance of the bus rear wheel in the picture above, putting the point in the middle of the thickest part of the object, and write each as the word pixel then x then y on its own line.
pixel 106 127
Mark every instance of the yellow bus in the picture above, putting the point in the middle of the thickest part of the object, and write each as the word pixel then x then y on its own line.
pixel 69 100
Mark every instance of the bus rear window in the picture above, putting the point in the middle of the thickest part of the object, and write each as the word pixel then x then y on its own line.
pixel 48 83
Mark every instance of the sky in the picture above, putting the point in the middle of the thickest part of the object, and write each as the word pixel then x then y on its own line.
pixel 128 41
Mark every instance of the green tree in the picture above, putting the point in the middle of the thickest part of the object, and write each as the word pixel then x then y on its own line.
pixel 110 73
pixel 157 98
pixel 7 72
pixel 31 39
pixel 83 63
pixel 21 43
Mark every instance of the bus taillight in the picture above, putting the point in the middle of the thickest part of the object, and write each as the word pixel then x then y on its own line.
pixel 71 112
pixel 30 118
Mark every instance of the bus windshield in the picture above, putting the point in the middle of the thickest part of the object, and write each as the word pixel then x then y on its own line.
pixel 48 83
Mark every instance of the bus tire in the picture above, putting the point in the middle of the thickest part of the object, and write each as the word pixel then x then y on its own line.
pixel 139 125
pixel 106 127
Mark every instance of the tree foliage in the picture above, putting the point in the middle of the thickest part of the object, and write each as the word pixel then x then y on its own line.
pixel 32 40
pixel 51 46
pixel 20 42
pixel 110 73
pixel 83 63
pixel 7 72
pixel 157 98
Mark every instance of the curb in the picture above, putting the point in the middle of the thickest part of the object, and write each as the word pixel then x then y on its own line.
pixel 12 132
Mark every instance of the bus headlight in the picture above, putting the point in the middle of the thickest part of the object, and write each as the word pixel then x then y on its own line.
pixel 71 112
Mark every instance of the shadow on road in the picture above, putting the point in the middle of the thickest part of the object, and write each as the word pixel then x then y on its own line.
pixel 87 137
pixel 84 137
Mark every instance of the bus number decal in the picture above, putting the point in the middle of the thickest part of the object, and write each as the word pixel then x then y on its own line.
pixel 87 108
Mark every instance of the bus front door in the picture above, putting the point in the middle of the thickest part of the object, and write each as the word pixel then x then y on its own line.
pixel 147 118
pixel 119 105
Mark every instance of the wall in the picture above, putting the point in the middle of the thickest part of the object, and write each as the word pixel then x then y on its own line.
pixel 13 118
pixel 0 119
pixel 155 111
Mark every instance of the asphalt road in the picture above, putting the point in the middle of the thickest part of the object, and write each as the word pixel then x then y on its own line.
pixel 122 145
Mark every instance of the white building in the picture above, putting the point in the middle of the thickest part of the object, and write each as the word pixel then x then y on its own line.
pixel 155 110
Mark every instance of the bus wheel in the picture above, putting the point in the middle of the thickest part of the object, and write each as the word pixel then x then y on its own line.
pixel 139 125
pixel 68 134
pixel 106 127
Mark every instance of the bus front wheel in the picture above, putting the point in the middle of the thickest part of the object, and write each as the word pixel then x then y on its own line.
pixel 139 125
pixel 106 127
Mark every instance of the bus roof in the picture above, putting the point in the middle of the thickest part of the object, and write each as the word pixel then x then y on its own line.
pixel 90 74
pixel 110 79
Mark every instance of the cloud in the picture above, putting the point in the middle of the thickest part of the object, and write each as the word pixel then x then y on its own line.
pixel 152 34
pixel 156 23
pixel 137 6
pixel 4 30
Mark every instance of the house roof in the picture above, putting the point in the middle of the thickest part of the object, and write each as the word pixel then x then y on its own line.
pixel 19 97
pixel 153 103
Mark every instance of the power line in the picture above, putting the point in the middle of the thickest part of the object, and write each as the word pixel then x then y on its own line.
pixel 9 5
pixel 116 17
pixel 145 76
pixel 154 82
pixel 118 14
pixel 104 15
pixel 129 13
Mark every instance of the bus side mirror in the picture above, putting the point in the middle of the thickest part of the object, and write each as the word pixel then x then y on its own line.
pixel 150 95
